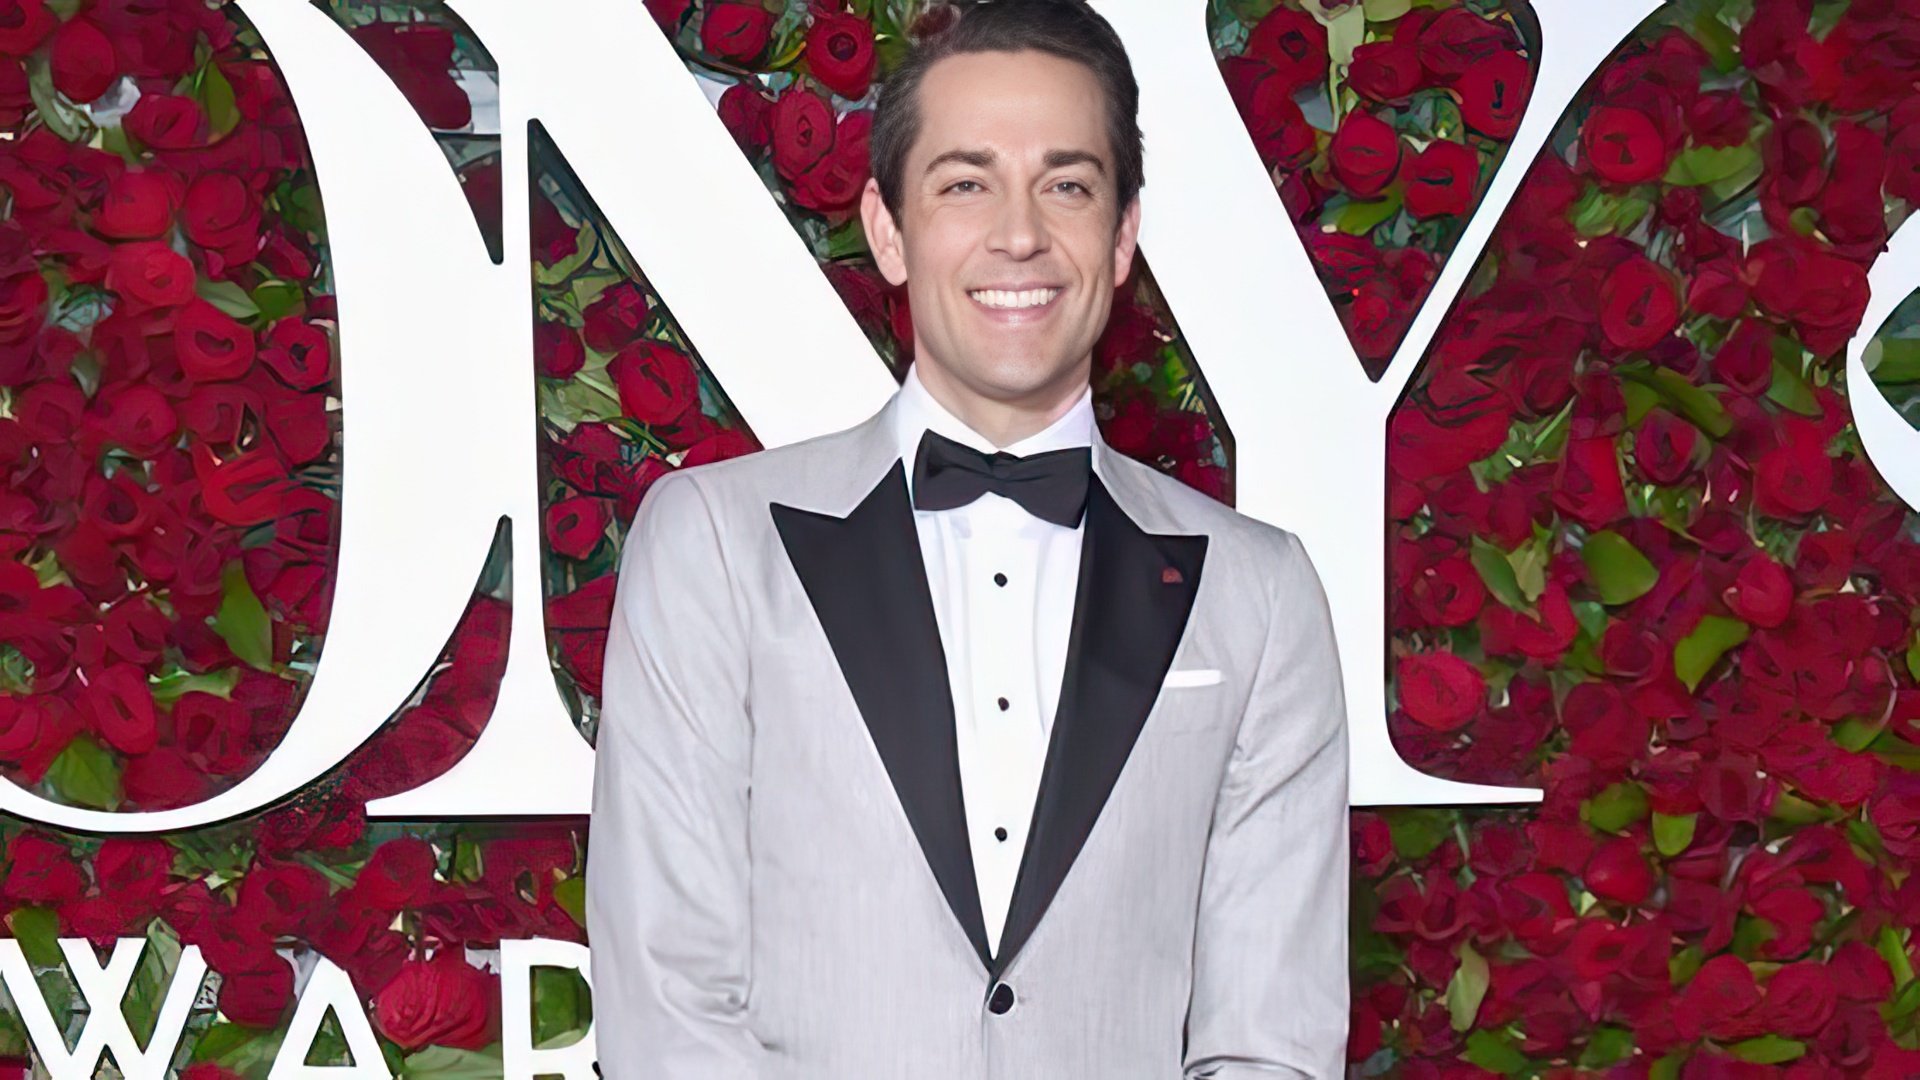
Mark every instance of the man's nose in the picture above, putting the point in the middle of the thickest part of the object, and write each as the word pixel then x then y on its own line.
pixel 1020 230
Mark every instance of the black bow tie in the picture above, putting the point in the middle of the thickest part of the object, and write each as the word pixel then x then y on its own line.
pixel 1051 485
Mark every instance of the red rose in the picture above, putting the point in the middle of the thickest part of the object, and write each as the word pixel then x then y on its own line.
pixel 835 183
pixel 216 731
pixel 1494 94
pixel 444 1001
pixel 418 57
pixel 669 13
pixel 748 116
pixel 119 703
pixel 298 354
pixel 23 306
pixel 1720 118
pixel 840 53
pixel 1385 71
pixel 138 205
pixel 736 32
pixel 719 446
pixel 164 779
pixel 82 61
pixel 1762 594
pixel 149 274
pixel 23 24
pixel 1606 730
pixel 1618 872
pixel 40 870
pixel 165 122
pixel 1823 294
pixel 1440 690
pixel 210 344
pixel 1280 132
pixel 1801 998
pixel 576 526
pixel 1664 449
pixel 1448 593
pixel 221 212
pixel 1365 154
pixel 803 129
pixel 615 318
pixel 1745 360
pixel 1639 303
pixel 398 875
pixel 1457 40
pixel 255 987
pixel 657 382
pixel 1795 477
pixel 246 489
pixel 1293 45
pixel 1442 179
pixel 557 350
pixel 1624 145
pixel 1587 484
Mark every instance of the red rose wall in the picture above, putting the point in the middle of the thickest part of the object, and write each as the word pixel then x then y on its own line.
pixel 1638 555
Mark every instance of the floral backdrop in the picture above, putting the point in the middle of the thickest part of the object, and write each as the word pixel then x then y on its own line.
pixel 1639 556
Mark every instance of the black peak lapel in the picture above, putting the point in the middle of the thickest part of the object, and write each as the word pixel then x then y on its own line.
pixel 1128 617
pixel 867 581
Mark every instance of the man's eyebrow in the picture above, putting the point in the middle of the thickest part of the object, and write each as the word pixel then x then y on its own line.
pixel 1054 159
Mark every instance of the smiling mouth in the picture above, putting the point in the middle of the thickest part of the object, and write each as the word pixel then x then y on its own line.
pixel 1005 300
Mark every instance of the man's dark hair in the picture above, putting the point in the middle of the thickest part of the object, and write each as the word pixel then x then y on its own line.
pixel 1069 29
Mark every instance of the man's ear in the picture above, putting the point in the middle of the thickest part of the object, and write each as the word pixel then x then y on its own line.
pixel 883 234
pixel 1124 240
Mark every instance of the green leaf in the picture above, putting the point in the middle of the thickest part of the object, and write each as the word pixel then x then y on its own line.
pixel 1494 1053
pixel 571 895
pixel 1913 657
pixel 1615 807
pixel 1598 212
pixel 1768 1049
pixel 1467 988
pixel 1697 166
pixel 1791 809
pixel 1530 568
pixel 1695 403
pixel 1672 832
pixel 1498 574
pixel 847 239
pixel 158 964
pixel 1789 388
pixel 1619 571
pixel 62 117
pixel 1668 1066
pixel 1416 832
pixel 216 97
pixel 244 1050
pixel 1385 10
pixel 1639 398
pixel 276 300
pixel 561 1006
pixel 1856 733
pixel 37 929
pixel 86 774
pixel 1892 946
pixel 1696 653
pixel 170 687
pixel 1892 360
pixel 1607 1046
pixel 242 620
pixel 1359 216
pixel 228 297
pixel 446 1063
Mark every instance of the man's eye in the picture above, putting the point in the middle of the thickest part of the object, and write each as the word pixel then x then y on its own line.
pixel 957 183
pixel 1075 184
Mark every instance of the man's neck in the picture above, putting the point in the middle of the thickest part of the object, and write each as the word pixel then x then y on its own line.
pixel 1003 422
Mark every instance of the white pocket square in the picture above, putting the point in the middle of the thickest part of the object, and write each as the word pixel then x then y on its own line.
pixel 1192 677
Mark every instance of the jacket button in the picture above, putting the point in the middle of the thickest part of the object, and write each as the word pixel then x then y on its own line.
pixel 1002 999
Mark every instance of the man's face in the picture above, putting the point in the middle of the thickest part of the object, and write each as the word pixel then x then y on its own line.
pixel 1007 237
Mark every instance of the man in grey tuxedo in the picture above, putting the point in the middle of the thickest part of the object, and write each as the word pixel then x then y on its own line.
pixel 956 744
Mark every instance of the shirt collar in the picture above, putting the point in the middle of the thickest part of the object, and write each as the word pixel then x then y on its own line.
pixel 916 411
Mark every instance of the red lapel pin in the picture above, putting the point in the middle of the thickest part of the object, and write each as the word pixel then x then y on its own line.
pixel 1171 576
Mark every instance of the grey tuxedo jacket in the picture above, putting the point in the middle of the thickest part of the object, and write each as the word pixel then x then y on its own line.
pixel 779 883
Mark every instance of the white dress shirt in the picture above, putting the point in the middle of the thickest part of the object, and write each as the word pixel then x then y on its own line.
pixel 1003 584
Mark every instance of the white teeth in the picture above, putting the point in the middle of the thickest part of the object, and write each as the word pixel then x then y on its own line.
pixel 1001 298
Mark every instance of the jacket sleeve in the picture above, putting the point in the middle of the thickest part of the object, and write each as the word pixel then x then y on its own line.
pixel 1270 996
pixel 667 868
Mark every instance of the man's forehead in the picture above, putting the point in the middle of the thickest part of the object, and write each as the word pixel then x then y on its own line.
pixel 982 109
